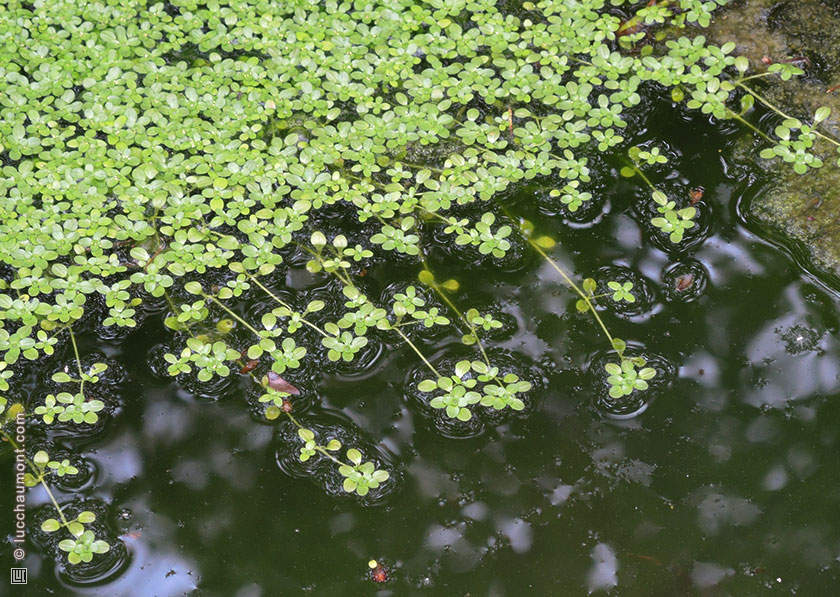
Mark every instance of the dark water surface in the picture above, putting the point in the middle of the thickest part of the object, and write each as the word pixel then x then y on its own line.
pixel 724 481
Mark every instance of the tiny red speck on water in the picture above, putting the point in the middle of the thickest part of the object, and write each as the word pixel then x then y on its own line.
pixel 379 574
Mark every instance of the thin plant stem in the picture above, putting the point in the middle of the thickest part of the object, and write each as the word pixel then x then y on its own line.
pixel 417 350
pixel 232 314
pixel 773 108
pixel 78 361
pixel 319 448
pixel 40 478
pixel 286 305
pixel 575 287
pixel 461 316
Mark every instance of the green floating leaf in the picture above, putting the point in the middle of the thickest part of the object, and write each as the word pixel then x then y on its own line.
pixel 50 525
pixel 426 277
pixel 545 242
pixel 318 240
pixel 821 114
pixel 427 385
pixel 354 456
pixel 451 285
pixel 76 528
pixel 677 94
pixel 193 287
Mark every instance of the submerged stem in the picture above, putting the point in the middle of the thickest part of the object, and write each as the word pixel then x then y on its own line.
pixel 78 361
pixel 285 304
pixel 417 350
pixel 577 289
pixel 40 478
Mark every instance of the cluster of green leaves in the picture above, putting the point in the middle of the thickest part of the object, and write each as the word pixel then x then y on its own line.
pixel 75 406
pixel 359 477
pixel 678 13
pixel 619 291
pixel 456 393
pixel 673 221
pixel 650 156
pixel 82 544
pixel 798 149
pixel 145 144
pixel 627 376
pixel 478 322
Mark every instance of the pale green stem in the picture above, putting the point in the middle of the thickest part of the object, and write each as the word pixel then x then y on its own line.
pixel 78 361
pixel 772 107
pixel 574 287
pixel 232 314
pixel 461 316
pixel 286 305
pixel 743 120
pixel 319 448
pixel 417 350
pixel 641 174
pixel 40 478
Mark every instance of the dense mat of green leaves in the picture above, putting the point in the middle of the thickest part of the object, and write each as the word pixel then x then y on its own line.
pixel 136 136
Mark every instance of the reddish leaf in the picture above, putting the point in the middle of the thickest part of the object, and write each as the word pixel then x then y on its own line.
pixel 684 282
pixel 275 382
pixel 696 194
pixel 249 366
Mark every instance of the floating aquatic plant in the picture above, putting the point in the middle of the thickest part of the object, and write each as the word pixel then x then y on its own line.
pixel 178 156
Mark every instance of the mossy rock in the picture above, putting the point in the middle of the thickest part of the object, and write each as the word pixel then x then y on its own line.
pixel 805 208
